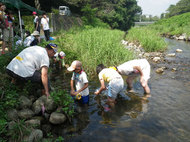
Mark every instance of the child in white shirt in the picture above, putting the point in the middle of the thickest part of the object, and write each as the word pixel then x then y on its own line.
pixel 79 78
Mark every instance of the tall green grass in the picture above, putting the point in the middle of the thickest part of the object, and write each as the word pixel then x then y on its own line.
pixel 149 39
pixel 175 25
pixel 94 46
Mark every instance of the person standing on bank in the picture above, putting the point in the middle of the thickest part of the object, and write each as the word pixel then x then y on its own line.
pixel 37 23
pixel 45 26
pixel 28 63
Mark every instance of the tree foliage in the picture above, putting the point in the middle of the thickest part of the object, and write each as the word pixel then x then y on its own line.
pixel 119 14
pixel 183 6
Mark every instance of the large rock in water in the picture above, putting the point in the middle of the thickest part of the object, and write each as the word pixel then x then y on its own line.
pixel 57 118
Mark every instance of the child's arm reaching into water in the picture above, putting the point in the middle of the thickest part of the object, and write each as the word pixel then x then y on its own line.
pixel 103 87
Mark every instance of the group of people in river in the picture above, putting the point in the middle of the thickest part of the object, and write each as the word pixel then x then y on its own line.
pixel 32 63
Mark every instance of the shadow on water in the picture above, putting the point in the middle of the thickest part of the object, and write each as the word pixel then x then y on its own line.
pixel 161 116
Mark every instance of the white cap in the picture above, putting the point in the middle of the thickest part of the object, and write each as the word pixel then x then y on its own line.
pixel 35 33
pixel 74 64
pixel 61 54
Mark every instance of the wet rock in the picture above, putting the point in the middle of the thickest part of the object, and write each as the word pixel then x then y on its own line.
pixel 182 37
pixel 12 114
pixel 171 55
pixel 160 70
pixel 140 55
pixel 25 114
pixel 156 59
pixel 57 118
pixel 179 50
pixel 174 69
pixel 25 102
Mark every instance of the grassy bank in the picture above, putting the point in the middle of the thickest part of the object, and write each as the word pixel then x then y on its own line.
pixel 150 36
pixel 175 25
pixel 149 39
pixel 94 46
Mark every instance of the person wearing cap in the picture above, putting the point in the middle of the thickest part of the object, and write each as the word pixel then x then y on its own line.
pixel 37 21
pixel 32 63
pixel 32 40
pixel 60 58
pixel 115 83
pixel 134 68
pixel 79 78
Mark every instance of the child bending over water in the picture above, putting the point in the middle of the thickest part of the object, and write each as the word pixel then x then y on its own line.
pixel 115 83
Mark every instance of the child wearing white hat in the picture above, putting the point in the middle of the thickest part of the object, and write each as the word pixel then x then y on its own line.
pixel 79 78
pixel 60 58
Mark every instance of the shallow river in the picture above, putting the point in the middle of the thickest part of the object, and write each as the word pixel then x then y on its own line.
pixel 163 116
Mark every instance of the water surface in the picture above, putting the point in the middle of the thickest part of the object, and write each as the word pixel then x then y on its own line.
pixel 163 117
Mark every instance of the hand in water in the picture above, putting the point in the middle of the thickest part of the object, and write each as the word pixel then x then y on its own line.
pixel 96 93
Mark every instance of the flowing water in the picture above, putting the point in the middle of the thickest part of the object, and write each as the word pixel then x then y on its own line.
pixel 163 116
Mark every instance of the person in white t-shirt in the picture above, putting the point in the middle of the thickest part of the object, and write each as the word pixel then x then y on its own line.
pixel 45 26
pixel 79 78
pixel 134 68
pixel 115 83
pixel 32 63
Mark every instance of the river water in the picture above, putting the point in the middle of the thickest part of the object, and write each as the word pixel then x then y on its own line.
pixel 163 116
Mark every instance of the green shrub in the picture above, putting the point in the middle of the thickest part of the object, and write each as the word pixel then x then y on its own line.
pixel 64 100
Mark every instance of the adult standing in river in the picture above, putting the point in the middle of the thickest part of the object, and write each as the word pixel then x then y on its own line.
pixel 28 63
pixel 134 68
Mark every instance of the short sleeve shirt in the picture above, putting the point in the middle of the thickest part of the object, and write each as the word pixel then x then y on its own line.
pixel 45 23
pixel 108 74
pixel 127 67
pixel 80 80
pixel 28 61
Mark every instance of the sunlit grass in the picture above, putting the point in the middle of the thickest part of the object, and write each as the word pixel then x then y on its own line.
pixel 175 25
pixel 94 46
pixel 149 39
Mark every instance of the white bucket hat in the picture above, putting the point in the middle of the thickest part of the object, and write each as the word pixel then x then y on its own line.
pixel 35 33
pixel 74 65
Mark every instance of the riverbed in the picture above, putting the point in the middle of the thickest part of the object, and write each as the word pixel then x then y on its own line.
pixel 162 116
